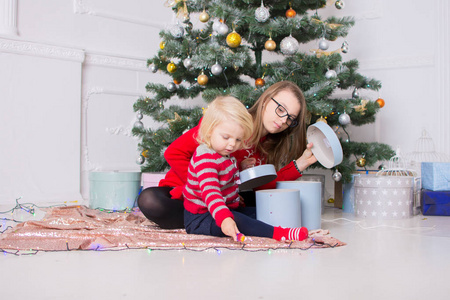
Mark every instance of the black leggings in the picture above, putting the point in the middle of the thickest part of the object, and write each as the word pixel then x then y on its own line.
pixel 157 205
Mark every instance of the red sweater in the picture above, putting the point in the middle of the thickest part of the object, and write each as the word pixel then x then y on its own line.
pixel 211 184
pixel 179 153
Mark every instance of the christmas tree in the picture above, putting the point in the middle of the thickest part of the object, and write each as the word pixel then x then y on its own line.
pixel 223 54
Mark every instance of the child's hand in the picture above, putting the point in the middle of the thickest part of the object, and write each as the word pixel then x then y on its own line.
pixel 248 163
pixel 229 228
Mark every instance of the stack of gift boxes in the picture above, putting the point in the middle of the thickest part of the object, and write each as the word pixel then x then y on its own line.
pixel 435 188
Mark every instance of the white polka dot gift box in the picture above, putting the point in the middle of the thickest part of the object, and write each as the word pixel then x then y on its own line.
pixel 386 197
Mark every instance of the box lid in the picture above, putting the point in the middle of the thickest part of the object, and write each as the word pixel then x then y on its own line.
pixel 326 146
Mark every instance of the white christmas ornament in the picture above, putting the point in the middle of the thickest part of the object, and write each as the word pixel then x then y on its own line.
pixel 140 160
pixel 216 25
pixel 289 45
pixel 138 124
pixel 171 87
pixel 187 63
pixel 323 44
pixel 262 13
pixel 330 74
pixel 153 68
pixel 216 69
pixel 223 29
pixel 344 119
pixel 177 31
pixel 337 176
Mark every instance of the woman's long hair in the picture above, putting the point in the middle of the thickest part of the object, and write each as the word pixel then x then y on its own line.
pixel 279 149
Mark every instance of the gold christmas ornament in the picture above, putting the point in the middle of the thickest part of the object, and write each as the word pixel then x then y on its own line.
pixel 204 17
pixel 176 80
pixel 322 119
pixel 202 79
pixel 361 162
pixel 233 39
pixel 171 67
pixel 162 45
pixel 270 45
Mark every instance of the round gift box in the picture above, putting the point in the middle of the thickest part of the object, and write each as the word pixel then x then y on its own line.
pixel 114 190
pixel 326 146
pixel 256 176
pixel 310 200
pixel 279 207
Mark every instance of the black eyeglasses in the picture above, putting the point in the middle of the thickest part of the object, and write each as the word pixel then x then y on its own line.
pixel 281 111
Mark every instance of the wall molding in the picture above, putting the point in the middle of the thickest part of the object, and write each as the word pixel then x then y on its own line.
pixel 86 164
pixel 41 50
pixel 30 48
pixel 397 62
pixel 8 17
pixel 118 62
pixel 443 78
pixel 80 7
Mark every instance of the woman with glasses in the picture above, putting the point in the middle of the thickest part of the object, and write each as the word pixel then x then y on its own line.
pixel 279 138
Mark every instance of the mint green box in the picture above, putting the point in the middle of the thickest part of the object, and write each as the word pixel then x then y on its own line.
pixel 114 190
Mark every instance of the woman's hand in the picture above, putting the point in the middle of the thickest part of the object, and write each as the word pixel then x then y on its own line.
pixel 307 158
pixel 229 228
pixel 248 163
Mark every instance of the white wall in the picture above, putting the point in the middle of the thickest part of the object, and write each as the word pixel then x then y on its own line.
pixel 72 69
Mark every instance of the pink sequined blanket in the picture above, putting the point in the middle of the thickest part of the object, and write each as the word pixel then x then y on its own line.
pixel 81 228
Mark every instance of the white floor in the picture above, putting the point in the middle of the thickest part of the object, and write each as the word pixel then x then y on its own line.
pixel 407 259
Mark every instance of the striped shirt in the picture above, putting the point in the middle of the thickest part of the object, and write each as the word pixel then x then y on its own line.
pixel 211 184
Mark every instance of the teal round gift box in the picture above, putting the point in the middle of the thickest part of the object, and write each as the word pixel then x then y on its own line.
pixel 114 190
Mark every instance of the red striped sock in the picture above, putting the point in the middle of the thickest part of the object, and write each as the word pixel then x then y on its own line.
pixel 290 234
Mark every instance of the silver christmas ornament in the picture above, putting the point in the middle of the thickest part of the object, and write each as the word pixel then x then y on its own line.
pixel 216 69
pixel 323 44
pixel 355 93
pixel 337 176
pixel 330 74
pixel 153 68
pixel 262 13
pixel 289 45
pixel 344 119
pixel 344 47
pixel 171 87
pixel 138 125
pixel 140 160
pixel 339 4
pixel 139 116
pixel 223 29
pixel 187 63
pixel 177 31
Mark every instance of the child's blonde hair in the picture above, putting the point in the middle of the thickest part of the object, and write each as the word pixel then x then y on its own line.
pixel 222 109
